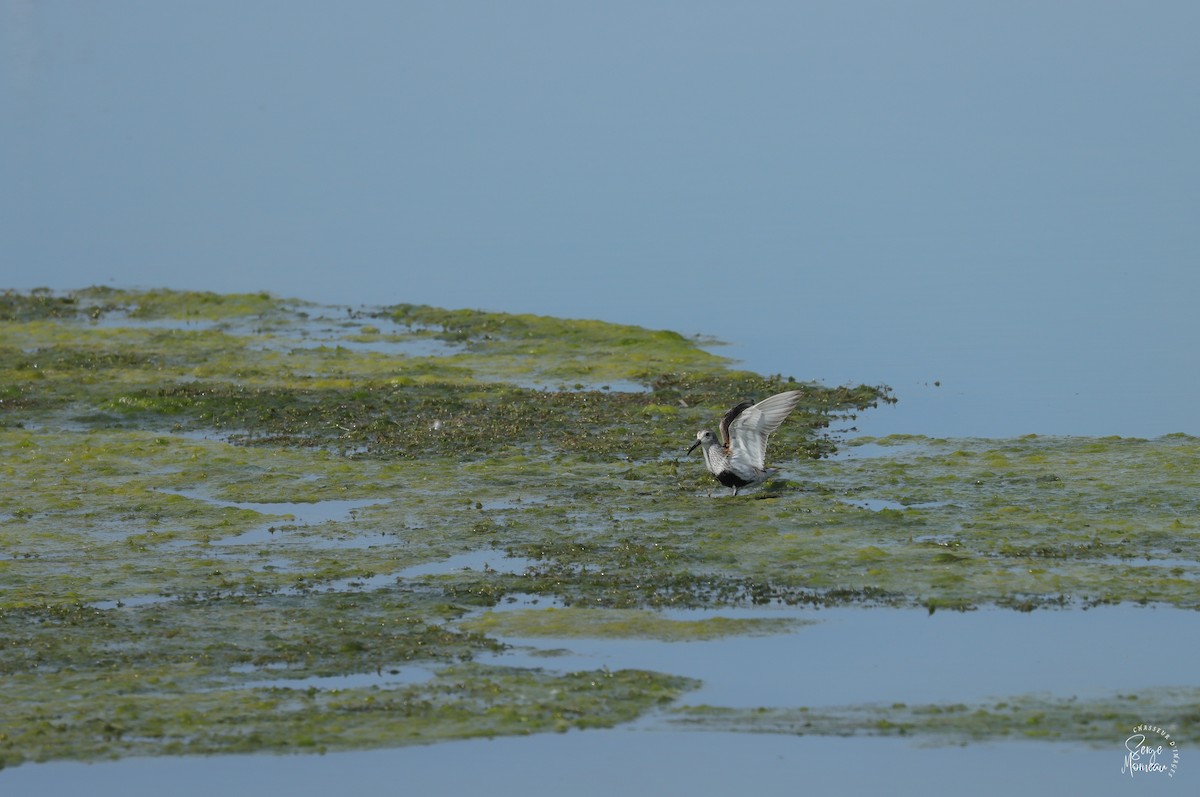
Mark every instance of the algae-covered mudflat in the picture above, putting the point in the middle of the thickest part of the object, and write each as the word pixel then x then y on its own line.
pixel 238 523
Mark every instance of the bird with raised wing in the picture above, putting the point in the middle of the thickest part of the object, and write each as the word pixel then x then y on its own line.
pixel 736 459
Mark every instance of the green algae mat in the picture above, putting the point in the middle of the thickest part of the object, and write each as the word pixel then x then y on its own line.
pixel 214 507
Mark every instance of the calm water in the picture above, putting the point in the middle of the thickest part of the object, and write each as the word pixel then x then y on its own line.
pixel 1000 198
pixel 990 207
pixel 625 761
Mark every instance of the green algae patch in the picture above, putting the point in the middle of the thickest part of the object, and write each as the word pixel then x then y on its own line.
pixel 1024 522
pixel 172 304
pixel 97 302
pixel 37 304
pixel 203 492
pixel 618 623
pixel 547 350
pixel 1096 721
pixel 458 702
pixel 163 303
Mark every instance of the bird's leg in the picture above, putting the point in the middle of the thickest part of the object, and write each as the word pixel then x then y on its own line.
pixel 735 489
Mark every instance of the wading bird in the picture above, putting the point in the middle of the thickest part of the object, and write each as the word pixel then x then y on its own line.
pixel 736 458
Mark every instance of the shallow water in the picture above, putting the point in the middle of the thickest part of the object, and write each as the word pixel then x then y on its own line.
pixel 489 560
pixel 299 512
pixel 851 656
pixel 879 504
pixel 381 678
pixel 620 761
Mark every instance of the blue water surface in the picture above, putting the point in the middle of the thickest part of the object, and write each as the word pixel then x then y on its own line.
pixel 990 207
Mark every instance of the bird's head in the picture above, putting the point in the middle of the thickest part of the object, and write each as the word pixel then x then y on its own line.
pixel 703 438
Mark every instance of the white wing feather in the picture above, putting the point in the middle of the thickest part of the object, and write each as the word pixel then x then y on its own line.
pixel 749 431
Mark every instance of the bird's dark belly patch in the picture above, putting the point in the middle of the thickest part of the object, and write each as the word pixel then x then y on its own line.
pixel 731 479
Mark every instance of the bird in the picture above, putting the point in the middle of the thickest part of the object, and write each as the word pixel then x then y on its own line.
pixel 736 458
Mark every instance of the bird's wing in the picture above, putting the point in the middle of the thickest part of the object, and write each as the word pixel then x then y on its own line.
pixel 749 428
pixel 730 417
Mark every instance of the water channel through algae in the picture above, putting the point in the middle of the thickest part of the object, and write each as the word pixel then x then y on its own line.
pixel 235 523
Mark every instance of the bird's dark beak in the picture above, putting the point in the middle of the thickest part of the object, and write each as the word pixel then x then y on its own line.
pixel 693 448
